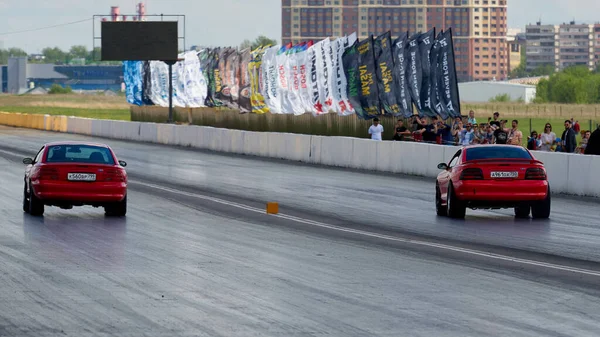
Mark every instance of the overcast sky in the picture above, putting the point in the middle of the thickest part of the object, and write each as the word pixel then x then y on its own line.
pixel 212 22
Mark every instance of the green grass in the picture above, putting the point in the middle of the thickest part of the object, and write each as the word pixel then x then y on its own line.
pixel 114 114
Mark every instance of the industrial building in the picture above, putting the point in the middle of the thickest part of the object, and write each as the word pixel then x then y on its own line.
pixel 486 91
pixel 18 76
pixel 479 26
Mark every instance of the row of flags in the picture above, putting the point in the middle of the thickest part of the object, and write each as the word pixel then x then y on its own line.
pixel 376 76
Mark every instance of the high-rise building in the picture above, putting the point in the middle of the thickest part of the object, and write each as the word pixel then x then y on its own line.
pixel 478 26
pixel 596 38
pixel 576 46
pixel 562 46
pixel 541 47
pixel 516 46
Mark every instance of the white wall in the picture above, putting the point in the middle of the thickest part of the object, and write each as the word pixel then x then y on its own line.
pixel 567 173
pixel 483 91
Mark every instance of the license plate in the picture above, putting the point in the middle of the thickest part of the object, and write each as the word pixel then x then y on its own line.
pixel 505 174
pixel 81 177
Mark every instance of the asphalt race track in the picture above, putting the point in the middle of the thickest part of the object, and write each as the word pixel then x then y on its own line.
pixel 352 254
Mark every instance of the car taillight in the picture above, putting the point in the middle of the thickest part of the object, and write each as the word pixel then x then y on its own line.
pixel 114 175
pixel 48 173
pixel 535 174
pixel 471 174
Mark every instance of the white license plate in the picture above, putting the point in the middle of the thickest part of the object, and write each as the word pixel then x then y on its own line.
pixel 505 174
pixel 81 177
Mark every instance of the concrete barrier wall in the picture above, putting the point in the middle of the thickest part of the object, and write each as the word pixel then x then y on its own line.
pixel 567 173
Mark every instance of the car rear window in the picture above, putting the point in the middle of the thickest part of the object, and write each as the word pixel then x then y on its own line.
pixel 497 152
pixel 87 154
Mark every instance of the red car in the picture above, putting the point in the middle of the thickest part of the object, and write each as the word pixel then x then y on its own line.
pixel 67 174
pixel 493 177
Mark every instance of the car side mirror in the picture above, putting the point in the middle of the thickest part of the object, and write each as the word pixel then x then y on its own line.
pixel 122 163
pixel 27 161
pixel 443 166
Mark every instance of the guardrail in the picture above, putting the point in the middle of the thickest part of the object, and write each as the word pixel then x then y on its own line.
pixel 568 173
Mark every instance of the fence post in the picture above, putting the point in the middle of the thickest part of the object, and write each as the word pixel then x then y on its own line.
pixel 530 126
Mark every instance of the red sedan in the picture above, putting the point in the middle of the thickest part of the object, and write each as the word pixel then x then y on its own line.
pixel 67 174
pixel 493 177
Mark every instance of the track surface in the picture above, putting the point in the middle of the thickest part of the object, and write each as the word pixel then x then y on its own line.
pixel 181 265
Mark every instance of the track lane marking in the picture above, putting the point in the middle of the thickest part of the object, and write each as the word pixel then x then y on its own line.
pixel 379 236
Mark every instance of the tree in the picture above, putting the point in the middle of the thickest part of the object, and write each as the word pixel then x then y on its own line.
pixel 79 52
pixel 258 42
pixel 54 55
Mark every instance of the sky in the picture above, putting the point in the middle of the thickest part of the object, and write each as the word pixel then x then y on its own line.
pixel 210 22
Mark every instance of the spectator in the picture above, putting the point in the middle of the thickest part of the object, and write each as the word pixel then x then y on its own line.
pixel 488 134
pixel 534 142
pixel 584 141
pixel 593 146
pixel 400 131
pixel 457 120
pixel 558 147
pixel 576 126
pixel 501 133
pixel 477 134
pixel 467 135
pixel 419 125
pixel 456 131
pixel 472 119
pixel 515 136
pixel 495 123
pixel 429 132
pixel 444 131
pixel 569 138
pixel 548 138
pixel 376 129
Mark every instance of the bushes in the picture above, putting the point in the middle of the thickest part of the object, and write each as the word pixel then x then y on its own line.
pixel 574 85
pixel 58 89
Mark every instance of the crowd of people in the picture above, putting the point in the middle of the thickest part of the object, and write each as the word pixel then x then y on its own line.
pixel 466 131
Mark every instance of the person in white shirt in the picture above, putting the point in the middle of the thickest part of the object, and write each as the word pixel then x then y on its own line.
pixel 548 138
pixel 376 129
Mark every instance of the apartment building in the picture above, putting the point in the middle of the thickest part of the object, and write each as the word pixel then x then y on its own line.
pixel 562 46
pixel 478 26
pixel 516 45
pixel 576 45
pixel 541 49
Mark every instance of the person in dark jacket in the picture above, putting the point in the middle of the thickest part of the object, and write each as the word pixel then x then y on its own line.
pixel 593 145
pixel 569 138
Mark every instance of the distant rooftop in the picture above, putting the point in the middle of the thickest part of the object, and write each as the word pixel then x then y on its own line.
pixel 43 71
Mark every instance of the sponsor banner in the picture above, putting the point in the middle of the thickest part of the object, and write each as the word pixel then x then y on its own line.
pixel 294 79
pixel 269 69
pixel 414 75
pixel 146 84
pixel 222 92
pixel 434 79
pixel 257 100
pixel 447 76
pixel 400 52
pixel 305 90
pixel 132 76
pixel 191 84
pixel 350 62
pixel 323 97
pixel 208 63
pixel 244 86
pixel 368 79
pixel 425 43
pixel 283 81
pixel 385 79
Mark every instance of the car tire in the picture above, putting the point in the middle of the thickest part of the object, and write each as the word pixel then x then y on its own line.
pixel 36 206
pixel 456 209
pixel 25 199
pixel 439 208
pixel 118 209
pixel 522 212
pixel 541 209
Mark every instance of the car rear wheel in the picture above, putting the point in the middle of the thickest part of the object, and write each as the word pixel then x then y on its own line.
pixel 25 199
pixel 522 212
pixel 541 209
pixel 456 209
pixel 440 209
pixel 118 209
pixel 36 206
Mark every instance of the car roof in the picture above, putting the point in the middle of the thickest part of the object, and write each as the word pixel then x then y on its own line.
pixel 76 143
pixel 466 147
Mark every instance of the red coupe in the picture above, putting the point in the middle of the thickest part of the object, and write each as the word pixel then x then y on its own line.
pixel 493 177
pixel 67 174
